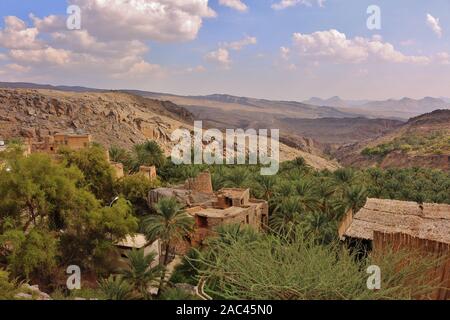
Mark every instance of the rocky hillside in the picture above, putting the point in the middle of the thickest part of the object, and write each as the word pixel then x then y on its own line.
pixel 423 141
pixel 112 118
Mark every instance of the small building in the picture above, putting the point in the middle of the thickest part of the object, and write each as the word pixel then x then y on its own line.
pixel 51 144
pixel 136 242
pixel 148 171
pixel 72 141
pixel 202 183
pixel 118 169
pixel 426 221
pixel 210 209
pixel 232 206
pixel 392 225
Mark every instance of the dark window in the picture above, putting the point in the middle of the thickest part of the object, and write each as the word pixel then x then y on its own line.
pixel 202 222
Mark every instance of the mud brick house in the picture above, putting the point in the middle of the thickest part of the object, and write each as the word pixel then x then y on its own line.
pixel 401 225
pixel 148 172
pixel 51 144
pixel 211 209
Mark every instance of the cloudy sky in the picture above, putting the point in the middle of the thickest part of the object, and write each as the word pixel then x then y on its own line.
pixel 276 49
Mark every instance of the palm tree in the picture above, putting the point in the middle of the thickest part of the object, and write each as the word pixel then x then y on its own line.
pixel 287 216
pixel 229 233
pixel 320 226
pixel 307 198
pixel 148 153
pixel 237 178
pixel 354 197
pixel 217 180
pixel 170 223
pixel 325 191
pixel 116 288
pixel 139 272
pixel 266 185
pixel 282 191
pixel 344 176
pixel 117 154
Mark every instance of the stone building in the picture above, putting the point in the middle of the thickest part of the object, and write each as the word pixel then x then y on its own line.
pixel 135 242
pixel 210 210
pixel 118 169
pixel 51 144
pixel 148 171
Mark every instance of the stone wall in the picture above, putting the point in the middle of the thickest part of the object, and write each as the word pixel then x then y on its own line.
pixel 202 183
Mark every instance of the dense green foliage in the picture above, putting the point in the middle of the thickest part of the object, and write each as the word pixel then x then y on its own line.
pixel 8 288
pixel 265 267
pixel 139 272
pixel 135 188
pixel 148 153
pixel 49 217
pixel 97 172
pixel 436 142
pixel 318 199
pixel 55 213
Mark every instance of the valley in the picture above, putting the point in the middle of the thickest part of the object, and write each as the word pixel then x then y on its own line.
pixel 322 135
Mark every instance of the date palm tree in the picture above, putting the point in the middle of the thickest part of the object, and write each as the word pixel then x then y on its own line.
pixel 116 288
pixel 287 215
pixel 170 224
pixel 140 273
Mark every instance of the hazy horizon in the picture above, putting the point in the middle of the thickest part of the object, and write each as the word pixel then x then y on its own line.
pixel 199 47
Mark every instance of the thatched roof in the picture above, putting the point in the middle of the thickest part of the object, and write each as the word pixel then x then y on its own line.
pixel 427 221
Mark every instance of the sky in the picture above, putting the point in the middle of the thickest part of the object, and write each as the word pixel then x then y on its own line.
pixel 273 49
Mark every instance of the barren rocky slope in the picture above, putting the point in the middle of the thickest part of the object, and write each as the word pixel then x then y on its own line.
pixel 112 118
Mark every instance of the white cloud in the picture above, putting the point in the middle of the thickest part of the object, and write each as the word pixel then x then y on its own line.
pixel 335 46
pixel 161 20
pixel 138 70
pixel 283 4
pixel 197 69
pixel 48 56
pixel 16 35
pixel 443 58
pixel 234 4
pixel 221 56
pixel 112 41
pixel 17 68
pixel 433 23
pixel 285 52
pixel 239 45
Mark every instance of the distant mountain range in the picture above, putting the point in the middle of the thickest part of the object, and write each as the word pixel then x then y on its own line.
pixel 402 109
pixel 315 129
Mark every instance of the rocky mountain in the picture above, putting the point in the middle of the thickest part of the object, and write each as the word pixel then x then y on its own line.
pixel 111 117
pixel 335 102
pixel 404 108
pixel 423 141
pixel 338 132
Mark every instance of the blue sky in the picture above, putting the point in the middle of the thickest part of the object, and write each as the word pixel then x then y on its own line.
pixel 202 47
